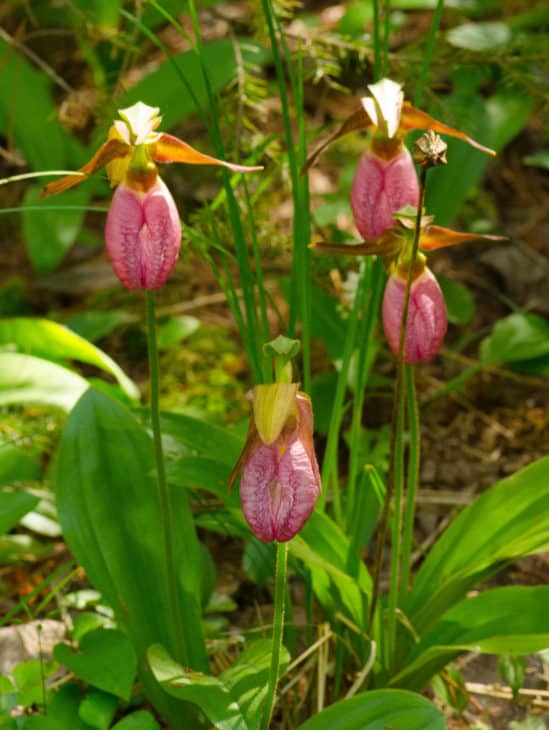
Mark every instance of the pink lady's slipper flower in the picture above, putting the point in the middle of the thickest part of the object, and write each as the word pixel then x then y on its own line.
pixel 385 180
pixel 426 321
pixel 143 231
pixel 280 479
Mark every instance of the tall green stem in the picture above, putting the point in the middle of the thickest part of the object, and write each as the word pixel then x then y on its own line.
pixel 412 482
pixel 394 479
pixel 278 630
pixel 164 495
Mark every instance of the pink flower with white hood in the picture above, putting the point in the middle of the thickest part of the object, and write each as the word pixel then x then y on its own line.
pixel 385 180
pixel 426 321
pixel 143 231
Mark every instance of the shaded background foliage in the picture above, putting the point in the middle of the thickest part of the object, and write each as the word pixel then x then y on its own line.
pixel 64 70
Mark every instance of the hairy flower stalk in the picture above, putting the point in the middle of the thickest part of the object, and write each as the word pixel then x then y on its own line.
pixel 280 480
pixel 143 231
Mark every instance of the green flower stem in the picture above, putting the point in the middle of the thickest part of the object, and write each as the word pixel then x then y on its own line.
pixel 413 478
pixel 278 630
pixel 394 478
pixel 163 489
pixel 397 454
pixel 396 523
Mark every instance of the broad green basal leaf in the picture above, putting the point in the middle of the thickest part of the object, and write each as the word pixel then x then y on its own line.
pixel 232 701
pixel 517 337
pixel 511 620
pixel 52 341
pixel 206 439
pixel 49 234
pixel 379 710
pixel 28 379
pixel 14 504
pixel 18 464
pixel 109 510
pixel 460 303
pixel 105 659
pixel 508 521
pixel 325 550
pixel 204 690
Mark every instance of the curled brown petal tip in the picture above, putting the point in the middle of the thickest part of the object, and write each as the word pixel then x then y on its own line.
pixel 435 237
pixel 388 244
pixel 172 149
pixel 358 120
pixel 413 118
pixel 108 152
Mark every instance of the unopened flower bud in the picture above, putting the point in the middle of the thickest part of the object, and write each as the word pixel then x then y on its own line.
pixel 380 188
pixel 426 322
pixel 143 235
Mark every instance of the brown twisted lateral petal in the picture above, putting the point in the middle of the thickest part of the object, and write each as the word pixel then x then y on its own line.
pixel 388 244
pixel 108 152
pixel 168 148
pixel 358 120
pixel 412 118
pixel 434 237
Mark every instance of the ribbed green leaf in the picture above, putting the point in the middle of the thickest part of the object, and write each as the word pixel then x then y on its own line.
pixel 109 510
pixel 493 122
pixel 509 520
pixel 105 659
pixel 13 506
pixel 207 439
pixel 514 338
pixel 28 379
pixel 325 551
pixel 232 701
pixel 52 341
pixel 379 710
pixel 511 620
